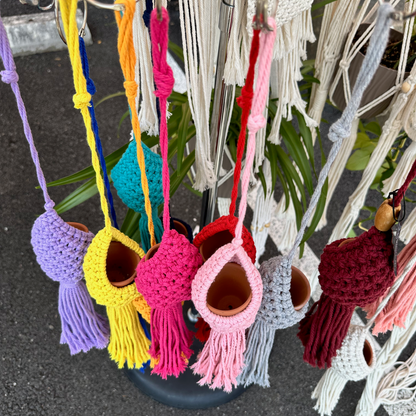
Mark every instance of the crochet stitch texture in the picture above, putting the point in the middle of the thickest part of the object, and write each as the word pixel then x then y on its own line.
pixel 59 247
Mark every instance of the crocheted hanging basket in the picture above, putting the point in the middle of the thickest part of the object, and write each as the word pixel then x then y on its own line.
pixel 164 278
pixel 353 274
pixel 383 80
pixel 128 343
pixel 286 292
pixel 126 176
pixel 226 226
pixel 60 249
pixel 226 343
pixel 354 361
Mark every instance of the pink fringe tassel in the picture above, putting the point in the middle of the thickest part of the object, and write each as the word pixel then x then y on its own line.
pixel 401 303
pixel 221 359
pixel 171 341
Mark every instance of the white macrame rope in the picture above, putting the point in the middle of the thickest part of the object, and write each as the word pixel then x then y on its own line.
pixel 199 28
pixel 148 118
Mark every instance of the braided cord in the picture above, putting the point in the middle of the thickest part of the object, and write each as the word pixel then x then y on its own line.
pixel 400 194
pixel 342 128
pixel 82 98
pixel 91 89
pixel 245 101
pixel 127 62
pixel 9 76
pixel 164 80
pixel 256 121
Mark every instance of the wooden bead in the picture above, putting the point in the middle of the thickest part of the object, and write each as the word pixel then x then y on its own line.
pixel 406 87
pixel 384 216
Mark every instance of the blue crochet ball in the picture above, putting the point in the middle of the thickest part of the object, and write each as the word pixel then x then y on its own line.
pixel 126 177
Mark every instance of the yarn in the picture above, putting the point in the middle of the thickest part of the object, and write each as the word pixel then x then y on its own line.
pixel 144 232
pixel 229 222
pixel 127 55
pixel 188 228
pixel 349 364
pixel 165 278
pixel 59 247
pixel 221 360
pixel 128 342
pixel 276 272
pixel 91 90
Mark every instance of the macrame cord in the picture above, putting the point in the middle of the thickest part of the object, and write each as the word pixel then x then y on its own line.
pixel 59 247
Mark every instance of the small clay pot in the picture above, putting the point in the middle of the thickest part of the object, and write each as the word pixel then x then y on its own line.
pixel 368 353
pixel 151 252
pixel 78 226
pixel 300 289
pixel 121 264
pixel 180 228
pixel 383 80
pixel 230 293
pixel 213 243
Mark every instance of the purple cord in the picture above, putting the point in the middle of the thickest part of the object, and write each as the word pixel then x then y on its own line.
pixel 59 247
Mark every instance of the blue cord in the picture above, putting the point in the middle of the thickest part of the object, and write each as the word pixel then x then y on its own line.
pixel 91 89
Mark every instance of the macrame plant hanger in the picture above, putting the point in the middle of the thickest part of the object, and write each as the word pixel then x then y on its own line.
pixel 138 175
pixel 222 230
pixel 277 310
pixel 164 276
pixel 128 342
pixel 221 360
pixel 60 247
pixel 356 358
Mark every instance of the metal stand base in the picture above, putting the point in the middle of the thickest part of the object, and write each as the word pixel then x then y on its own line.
pixel 183 392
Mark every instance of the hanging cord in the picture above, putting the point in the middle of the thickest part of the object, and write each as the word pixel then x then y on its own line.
pixel 127 62
pixel 342 128
pixel 256 120
pixel 402 190
pixel 245 101
pixel 10 76
pixel 164 81
pixel 82 99
pixel 91 90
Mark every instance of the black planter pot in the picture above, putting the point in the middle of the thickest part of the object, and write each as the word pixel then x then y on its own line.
pixel 183 392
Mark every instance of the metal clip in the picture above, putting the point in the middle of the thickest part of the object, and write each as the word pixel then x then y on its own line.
pixel 108 6
pixel 262 15
pixel 399 16
pixel 58 22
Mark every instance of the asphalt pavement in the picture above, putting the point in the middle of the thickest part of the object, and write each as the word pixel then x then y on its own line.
pixel 38 375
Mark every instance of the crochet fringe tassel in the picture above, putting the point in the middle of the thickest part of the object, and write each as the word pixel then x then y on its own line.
pixel 260 341
pixel 322 332
pixel 328 391
pixel 124 347
pixel 221 360
pixel 144 230
pixel 171 341
pixel 82 327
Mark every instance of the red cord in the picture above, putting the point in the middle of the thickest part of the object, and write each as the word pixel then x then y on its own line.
pixel 244 101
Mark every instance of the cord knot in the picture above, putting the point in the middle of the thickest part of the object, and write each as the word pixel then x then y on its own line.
pixel 131 89
pixel 237 242
pixel 82 100
pixel 245 99
pixel 255 123
pixel 344 64
pixel 338 131
pixel 164 82
pixel 9 76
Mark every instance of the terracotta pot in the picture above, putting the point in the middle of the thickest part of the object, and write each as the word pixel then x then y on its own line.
pixel 368 353
pixel 213 243
pixel 383 80
pixel 180 228
pixel 78 226
pixel 230 293
pixel 121 264
pixel 300 289
pixel 151 252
